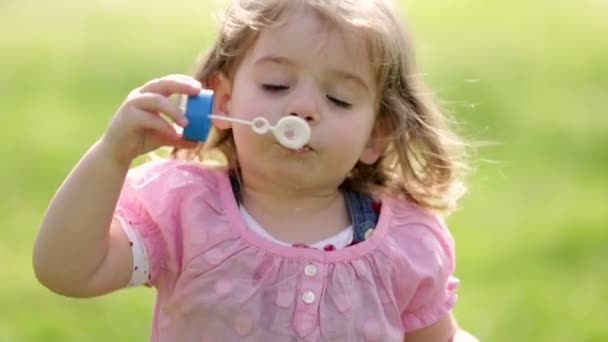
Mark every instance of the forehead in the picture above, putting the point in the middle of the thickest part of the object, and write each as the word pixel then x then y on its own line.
pixel 306 37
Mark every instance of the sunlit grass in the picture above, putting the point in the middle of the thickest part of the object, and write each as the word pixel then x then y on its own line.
pixel 531 78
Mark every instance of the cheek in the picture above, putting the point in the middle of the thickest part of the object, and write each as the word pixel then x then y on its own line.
pixel 354 130
pixel 245 147
pixel 248 109
pixel 244 137
pixel 247 102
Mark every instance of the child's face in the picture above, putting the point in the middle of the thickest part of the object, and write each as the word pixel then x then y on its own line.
pixel 320 73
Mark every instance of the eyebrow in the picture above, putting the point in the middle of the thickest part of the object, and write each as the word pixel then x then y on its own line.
pixel 336 72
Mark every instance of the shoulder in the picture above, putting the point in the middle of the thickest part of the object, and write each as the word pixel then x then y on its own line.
pixel 170 176
pixel 161 184
pixel 407 217
pixel 170 169
pixel 420 234
pixel 405 210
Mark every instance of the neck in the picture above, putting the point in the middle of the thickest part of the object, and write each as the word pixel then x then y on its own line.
pixel 289 201
pixel 296 214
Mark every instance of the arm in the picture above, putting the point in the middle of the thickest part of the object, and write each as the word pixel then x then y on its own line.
pixel 79 250
pixel 446 329
pixel 76 249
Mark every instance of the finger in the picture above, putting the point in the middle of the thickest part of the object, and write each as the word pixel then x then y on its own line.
pixel 172 84
pixel 155 103
pixel 152 122
pixel 167 134
pixel 175 77
pixel 176 139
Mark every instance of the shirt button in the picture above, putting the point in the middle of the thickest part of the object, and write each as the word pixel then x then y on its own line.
pixel 310 270
pixel 308 297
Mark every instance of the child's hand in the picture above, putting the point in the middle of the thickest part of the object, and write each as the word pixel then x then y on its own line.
pixel 138 127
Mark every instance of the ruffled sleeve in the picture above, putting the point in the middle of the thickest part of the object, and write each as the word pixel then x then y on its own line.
pixel 148 209
pixel 428 247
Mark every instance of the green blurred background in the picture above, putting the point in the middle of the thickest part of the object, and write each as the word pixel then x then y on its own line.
pixel 530 78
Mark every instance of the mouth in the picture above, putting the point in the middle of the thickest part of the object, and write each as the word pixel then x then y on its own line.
pixel 303 149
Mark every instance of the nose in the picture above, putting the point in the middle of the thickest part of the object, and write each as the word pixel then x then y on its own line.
pixel 311 118
pixel 305 104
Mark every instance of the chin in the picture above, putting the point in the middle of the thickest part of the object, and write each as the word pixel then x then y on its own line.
pixel 291 175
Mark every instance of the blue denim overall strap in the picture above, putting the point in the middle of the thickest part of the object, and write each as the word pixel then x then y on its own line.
pixel 236 188
pixel 360 208
pixel 362 213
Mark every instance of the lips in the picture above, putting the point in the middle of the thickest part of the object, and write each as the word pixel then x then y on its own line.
pixel 305 148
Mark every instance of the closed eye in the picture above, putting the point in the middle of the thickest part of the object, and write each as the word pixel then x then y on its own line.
pixel 274 87
pixel 338 102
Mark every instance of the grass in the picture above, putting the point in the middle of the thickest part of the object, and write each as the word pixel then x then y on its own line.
pixel 529 77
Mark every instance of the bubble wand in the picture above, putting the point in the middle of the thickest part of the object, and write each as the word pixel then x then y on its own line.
pixel 290 131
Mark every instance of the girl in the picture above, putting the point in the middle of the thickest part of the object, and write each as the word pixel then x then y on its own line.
pixel 339 240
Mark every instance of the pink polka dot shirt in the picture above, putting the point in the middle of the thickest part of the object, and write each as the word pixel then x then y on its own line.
pixel 218 280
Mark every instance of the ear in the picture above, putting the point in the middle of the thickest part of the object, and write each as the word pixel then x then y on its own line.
pixel 377 144
pixel 222 94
